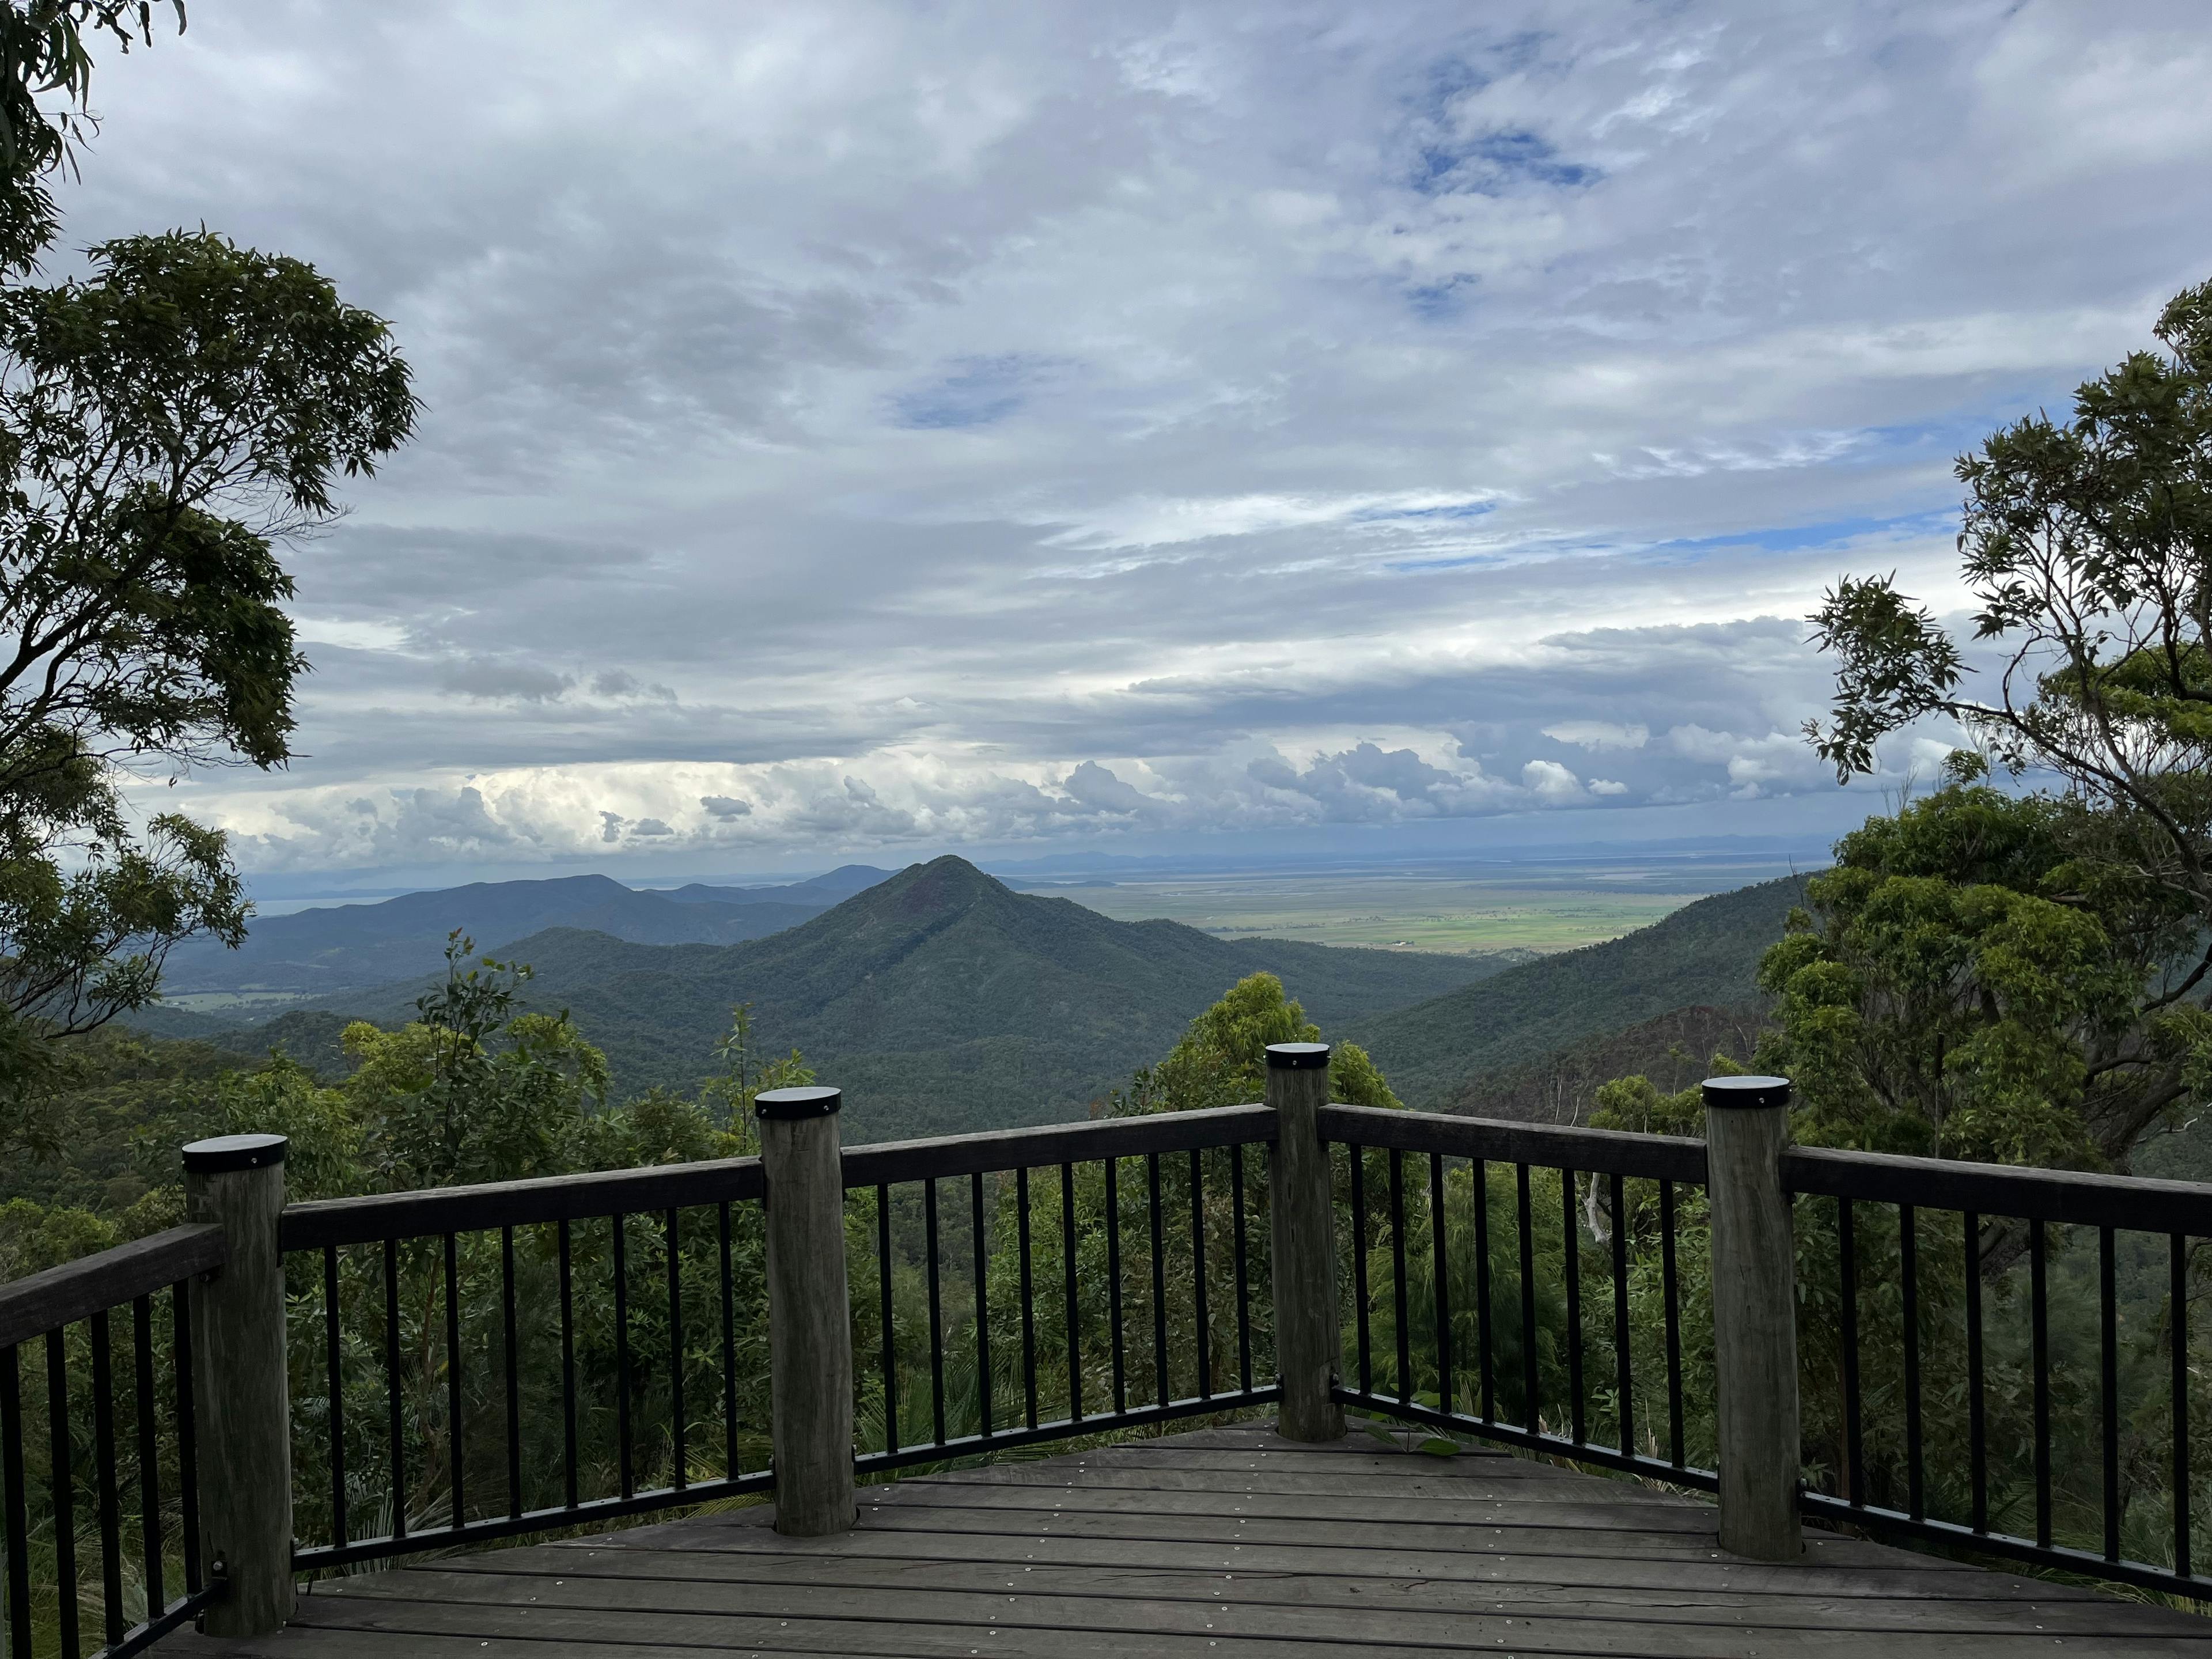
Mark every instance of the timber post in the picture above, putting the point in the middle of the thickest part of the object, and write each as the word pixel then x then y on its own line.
pixel 240 1389
pixel 1754 1278
pixel 809 1321
pixel 1302 1221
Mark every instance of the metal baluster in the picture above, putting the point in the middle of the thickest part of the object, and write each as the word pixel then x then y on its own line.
pixel 889 1347
pixel 936 1311
pixel 1673 1311
pixel 1114 1281
pixel 729 1343
pixel 17 1501
pixel 1847 1305
pixel 1908 1263
pixel 334 1365
pixel 1159 1279
pixel 1532 1414
pixel 103 1469
pixel 1202 1326
pixel 2108 1390
pixel 1398 1273
pixel 510 1343
pixel 1624 1401
pixel 61 1486
pixel 983 1254
pixel 2178 1341
pixel 1970 1235
pixel 2039 1316
pixel 1029 1297
pixel 679 1435
pixel 1244 1282
pixel 1485 1360
pixel 453 1375
pixel 149 1456
pixel 1067 1272
pixel 1571 1261
pixel 625 1461
pixel 1358 1156
pixel 188 1468
pixel 395 1409
pixel 567 1368
pixel 1440 1264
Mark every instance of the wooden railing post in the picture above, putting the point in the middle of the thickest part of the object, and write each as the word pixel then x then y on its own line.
pixel 809 1321
pixel 1754 1276
pixel 1302 1216
pixel 241 1399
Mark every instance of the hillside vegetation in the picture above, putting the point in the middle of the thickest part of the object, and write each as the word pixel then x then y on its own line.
pixel 941 1000
pixel 1706 953
pixel 1673 1051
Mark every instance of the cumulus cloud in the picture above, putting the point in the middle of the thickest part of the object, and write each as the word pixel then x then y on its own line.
pixel 1142 421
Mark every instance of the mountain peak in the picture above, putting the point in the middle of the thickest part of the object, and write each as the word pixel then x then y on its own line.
pixel 942 884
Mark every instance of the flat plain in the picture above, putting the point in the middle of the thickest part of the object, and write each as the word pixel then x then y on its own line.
pixel 1522 908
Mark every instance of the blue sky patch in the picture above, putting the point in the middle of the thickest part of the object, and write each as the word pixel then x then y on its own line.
pixel 973 392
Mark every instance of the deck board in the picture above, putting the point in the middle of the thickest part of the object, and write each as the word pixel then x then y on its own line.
pixel 1219 1544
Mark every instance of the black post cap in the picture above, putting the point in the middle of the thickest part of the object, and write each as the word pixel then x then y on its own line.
pixel 224 1153
pixel 1298 1056
pixel 1746 1091
pixel 786 1105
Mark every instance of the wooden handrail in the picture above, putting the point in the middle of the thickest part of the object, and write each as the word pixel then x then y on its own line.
pixel 886 1162
pixel 2068 1197
pixel 76 1290
pixel 1541 1145
pixel 375 1217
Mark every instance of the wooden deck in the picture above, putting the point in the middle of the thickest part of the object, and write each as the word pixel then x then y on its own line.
pixel 1224 1544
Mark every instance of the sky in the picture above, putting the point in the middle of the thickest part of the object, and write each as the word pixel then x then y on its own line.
pixel 865 430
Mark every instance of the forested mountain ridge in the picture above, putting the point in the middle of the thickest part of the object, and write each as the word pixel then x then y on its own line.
pixel 940 999
pixel 349 947
pixel 1706 953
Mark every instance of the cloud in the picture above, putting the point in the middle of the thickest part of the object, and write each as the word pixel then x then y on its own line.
pixel 1035 421
pixel 1549 780
pixel 1600 736
pixel 493 681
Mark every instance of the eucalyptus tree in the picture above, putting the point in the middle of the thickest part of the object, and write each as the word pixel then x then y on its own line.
pixel 2054 949
pixel 165 422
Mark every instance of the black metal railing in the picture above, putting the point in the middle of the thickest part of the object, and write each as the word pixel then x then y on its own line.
pixel 2078 1452
pixel 1019 1329
pixel 1999 1360
pixel 479 1362
pixel 1532 1329
pixel 101 1504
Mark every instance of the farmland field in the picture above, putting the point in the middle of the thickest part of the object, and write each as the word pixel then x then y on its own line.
pixel 1521 908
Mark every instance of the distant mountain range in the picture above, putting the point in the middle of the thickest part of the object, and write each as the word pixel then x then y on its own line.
pixel 939 998
pixel 350 947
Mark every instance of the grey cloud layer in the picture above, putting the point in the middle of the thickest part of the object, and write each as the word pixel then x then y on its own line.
pixel 856 424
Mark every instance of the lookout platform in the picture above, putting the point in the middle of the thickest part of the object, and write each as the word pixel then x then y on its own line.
pixel 1220 1544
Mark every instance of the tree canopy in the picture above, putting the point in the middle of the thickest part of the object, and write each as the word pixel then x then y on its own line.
pixel 2087 546
pixel 1222 1059
pixel 42 52
pixel 2017 976
pixel 164 422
